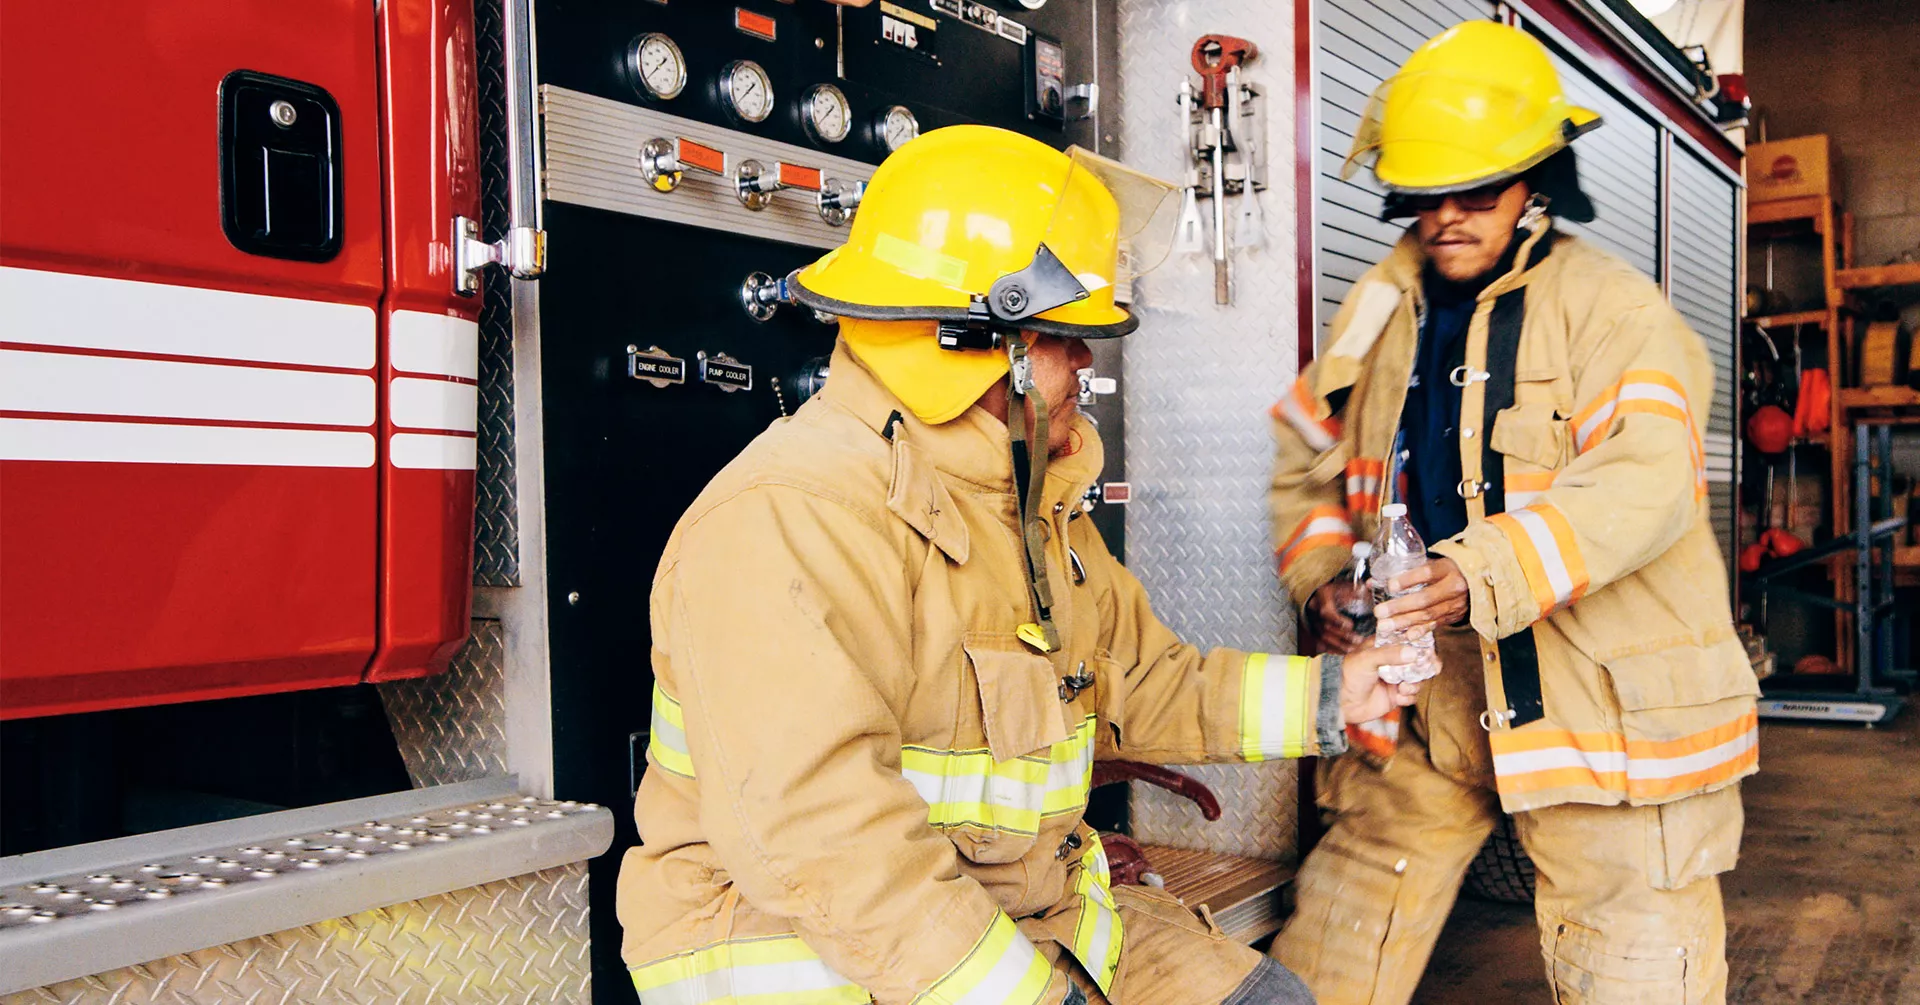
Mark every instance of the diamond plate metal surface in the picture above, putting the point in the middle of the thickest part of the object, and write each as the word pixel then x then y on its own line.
pixel 521 940
pixel 496 533
pixel 1199 380
pixel 452 727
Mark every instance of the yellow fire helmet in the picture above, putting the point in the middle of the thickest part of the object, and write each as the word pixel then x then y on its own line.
pixel 981 233
pixel 1476 104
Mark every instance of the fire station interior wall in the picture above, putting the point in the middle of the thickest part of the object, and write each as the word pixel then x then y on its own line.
pixel 1356 45
pixel 1851 71
pixel 1199 380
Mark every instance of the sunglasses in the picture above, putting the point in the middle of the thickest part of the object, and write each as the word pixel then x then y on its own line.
pixel 1473 200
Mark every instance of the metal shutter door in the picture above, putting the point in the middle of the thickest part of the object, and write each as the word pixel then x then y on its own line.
pixel 1359 43
pixel 1619 171
pixel 1704 290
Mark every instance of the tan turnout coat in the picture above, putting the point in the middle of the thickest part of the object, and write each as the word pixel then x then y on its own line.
pixel 858 775
pixel 1604 552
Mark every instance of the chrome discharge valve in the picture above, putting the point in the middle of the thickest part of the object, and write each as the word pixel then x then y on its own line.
pixel 839 197
pixel 756 183
pixel 663 162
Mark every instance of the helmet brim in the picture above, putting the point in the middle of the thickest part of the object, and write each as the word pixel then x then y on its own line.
pixel 797 288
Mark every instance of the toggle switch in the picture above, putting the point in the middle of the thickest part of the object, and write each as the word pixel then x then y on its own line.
pixel 663 161
pixel 839 197
pixel 756 182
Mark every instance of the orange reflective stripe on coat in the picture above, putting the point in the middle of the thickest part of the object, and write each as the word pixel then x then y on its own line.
pixel 1379 737
pixel 1523 489
pixel 1323 526
pixel 1534 759
pixel 1298 408
pixel 1549 557
pixel 1647 392
pixel 1364 475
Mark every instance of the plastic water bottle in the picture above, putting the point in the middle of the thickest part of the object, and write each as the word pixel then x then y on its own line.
pixel 1355 593
pixel 1398 549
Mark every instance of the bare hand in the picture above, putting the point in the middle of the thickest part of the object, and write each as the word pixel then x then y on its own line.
pixel 1364 697
pixel 1442 602
pixel 1325 623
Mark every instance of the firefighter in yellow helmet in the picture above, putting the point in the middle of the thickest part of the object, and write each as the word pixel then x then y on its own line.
pixel 887 646
pixel 1537 405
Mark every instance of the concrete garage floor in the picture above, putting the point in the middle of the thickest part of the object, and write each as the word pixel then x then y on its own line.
pixel 1824 908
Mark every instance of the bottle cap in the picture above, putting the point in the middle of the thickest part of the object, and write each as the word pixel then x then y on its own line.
pixel 1362 549
pixel 1392 510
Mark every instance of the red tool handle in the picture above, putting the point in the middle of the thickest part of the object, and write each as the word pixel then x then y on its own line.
pixel 1213 56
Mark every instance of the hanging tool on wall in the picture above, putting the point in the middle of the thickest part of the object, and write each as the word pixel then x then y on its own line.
pixel 1224 122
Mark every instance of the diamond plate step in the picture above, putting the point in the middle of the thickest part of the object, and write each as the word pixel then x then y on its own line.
pixel 72 912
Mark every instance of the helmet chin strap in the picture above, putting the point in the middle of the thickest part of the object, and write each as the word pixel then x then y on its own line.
pixel 1030 479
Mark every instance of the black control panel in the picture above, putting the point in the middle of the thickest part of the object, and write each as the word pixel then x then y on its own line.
pixel 658 364
pixel 944 61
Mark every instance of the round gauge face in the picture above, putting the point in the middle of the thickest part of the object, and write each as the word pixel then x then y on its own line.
pixel 1033 4
pixel 658 66
pixel 747 91
pixel 826 114
pixel 898 127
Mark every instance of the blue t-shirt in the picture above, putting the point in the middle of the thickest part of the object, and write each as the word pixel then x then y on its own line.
pixel 1430 423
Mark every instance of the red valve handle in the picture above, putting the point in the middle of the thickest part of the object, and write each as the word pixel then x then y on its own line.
pixel 1213 56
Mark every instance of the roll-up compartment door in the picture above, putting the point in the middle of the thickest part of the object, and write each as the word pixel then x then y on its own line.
pixel 1359 43
pixel 1703 288
pixel 1619 171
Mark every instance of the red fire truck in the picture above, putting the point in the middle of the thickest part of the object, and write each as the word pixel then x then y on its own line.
pixel 326 531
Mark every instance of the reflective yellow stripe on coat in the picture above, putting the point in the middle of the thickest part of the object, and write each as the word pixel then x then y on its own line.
pixel 1002 969
pixel 667 737
pixel 776 970
pixel 1276 716
pixel 969 787
pixel 1098 936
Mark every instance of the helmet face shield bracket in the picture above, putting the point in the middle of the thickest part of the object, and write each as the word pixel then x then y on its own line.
pixel 1046 283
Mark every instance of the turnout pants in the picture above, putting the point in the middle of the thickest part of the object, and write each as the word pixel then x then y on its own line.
pixel 1172 956
pixel 1628 898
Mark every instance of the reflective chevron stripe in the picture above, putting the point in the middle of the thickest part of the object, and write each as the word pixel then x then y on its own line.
pixel 969 787
pixel 1324 526
pixel 1532 760
pixel 1549 557
pixel 1275 695
pixel 1364 475
pixel 1296 409
pixel 775 970
pixel 1097 936
pixel 667 739
pixel 1001 969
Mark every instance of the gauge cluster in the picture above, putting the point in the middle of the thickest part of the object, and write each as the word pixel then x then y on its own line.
pixel 858 82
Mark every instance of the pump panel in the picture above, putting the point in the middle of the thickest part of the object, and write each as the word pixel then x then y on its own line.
pixel 695 153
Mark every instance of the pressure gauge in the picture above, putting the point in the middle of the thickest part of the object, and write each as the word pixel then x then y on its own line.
pixel 746 90
pixel 656 67
pixel 897 128
pixel 1033 4
pixel 826 114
